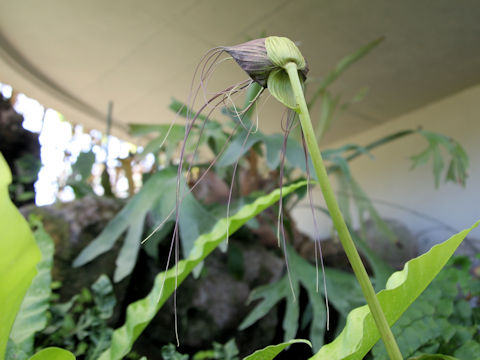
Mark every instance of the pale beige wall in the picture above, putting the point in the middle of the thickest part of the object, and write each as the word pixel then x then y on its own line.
pixel 389 176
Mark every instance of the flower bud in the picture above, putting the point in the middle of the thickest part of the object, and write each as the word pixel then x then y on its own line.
pixel 264 61
pixel 253 59
pixel 258 58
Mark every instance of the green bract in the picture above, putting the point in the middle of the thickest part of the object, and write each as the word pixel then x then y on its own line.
pixel 281 51
pixel 279 86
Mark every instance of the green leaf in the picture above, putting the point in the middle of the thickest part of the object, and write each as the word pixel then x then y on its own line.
pixel 194 221
pixel 270 294
pixel 250 96
pixel 127 257
pixel 238 147
pixel 169 352
pixel 403 287
pixel 296 157
pixel 329 106
pixel 183 110
pixel 292 312
pixel 271 351
pixel 438 165
pixel 19 256
pixel 468 350
pixel 273 144
pixel 212 129
pixel 458 166
pixel 140 313
pixel 32 316
pixel 158 195
pixel 130 216
pixel 145 129
pixel 433 357
pixel 53 353
pixel 104 296
pixel 421 158
pixel 342 289
pixel 357 149
pixel 227 351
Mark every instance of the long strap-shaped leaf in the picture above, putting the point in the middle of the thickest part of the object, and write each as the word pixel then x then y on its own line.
pixel 141 312
pixel 18 257
pixel 32 316
pixel 403 287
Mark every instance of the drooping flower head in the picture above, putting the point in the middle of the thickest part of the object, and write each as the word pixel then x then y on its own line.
pixel 264 60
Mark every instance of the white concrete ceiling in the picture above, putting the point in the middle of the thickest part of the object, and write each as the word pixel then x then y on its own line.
pixel 75 56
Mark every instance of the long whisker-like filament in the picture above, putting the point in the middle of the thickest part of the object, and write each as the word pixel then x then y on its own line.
pixel 280 226
pixel 196 183
pixel 179 197
pixel 317 244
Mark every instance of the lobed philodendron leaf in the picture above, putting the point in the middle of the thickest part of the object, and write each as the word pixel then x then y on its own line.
pixel 32 316
pixel 403 287
pixel 18 257
pixel 271 351
pixel 343 293
pixel 141 312
pixel 53 353
pixel 458 166
pixel 157 195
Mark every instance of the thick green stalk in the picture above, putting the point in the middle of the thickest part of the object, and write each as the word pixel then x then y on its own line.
pixel 337 218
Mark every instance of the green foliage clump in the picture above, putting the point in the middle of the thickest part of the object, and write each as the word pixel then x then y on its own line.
pixel 343 292
pixel 227 351
pixel 80 324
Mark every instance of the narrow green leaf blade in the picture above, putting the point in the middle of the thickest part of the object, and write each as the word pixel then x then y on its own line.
pixel 271 351
pixel 183 110
pixel 53 353
pixel 270 294
pixel 127 258
pixel 145 129
pixel 19 256
pixel 343 65
pixel 349 60
pixel 32 316
pixel 403 287
pixel 292 313
pixel 140 313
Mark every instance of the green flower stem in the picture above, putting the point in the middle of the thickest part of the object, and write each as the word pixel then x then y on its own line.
pixel 337 218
